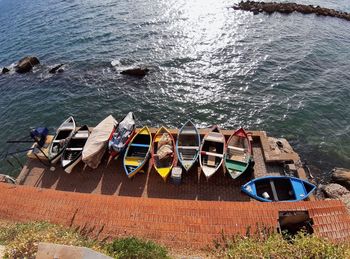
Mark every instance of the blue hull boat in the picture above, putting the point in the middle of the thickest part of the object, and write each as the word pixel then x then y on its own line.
pixel 278 188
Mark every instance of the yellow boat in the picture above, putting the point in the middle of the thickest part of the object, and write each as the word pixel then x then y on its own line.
pixel 163 152
pixel 137 152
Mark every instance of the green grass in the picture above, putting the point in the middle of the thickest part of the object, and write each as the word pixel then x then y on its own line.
pixel 132 247
pixel 22 239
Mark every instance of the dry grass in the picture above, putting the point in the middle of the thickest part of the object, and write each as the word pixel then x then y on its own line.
pixel 275 245
pixel 22 241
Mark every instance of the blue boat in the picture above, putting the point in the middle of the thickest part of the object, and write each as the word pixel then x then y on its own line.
pixel 278 188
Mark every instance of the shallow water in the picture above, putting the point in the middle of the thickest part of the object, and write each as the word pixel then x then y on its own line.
pixel 288 75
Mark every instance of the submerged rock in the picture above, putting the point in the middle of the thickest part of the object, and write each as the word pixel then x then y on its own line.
pixel 26 64
pixel 5 70
pixel 57 69
pixel 139 72
pixel 341 176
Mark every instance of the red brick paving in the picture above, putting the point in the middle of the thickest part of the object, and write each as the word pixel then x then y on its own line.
pixel 180 223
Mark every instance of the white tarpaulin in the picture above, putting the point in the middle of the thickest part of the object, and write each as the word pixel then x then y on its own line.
pixel 96 144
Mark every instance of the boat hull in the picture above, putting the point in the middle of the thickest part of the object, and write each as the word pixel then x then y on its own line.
pixel 63 134
pixel 212 152
pixel 188 145
pixel 137 152
pixel 238 153
pixel 72 154
pixel 278 188
pixel 162 170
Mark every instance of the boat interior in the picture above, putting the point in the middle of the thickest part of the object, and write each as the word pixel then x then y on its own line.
pixel 168 159
pixel 214 153
pixel 308 187
pixel 237 149
pixel 63 134
pixel 74 148
pixel 140 145
pixel 275 189
pixel 188 146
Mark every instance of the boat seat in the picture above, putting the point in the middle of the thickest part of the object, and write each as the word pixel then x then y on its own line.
pixel 74 148
pixel 233 148
pixel 215 137
pixel 186 156
pixel 211 156
pixel 188 147
pixel 273 188
pixel 188 132
pixel 139 145
pixel 239 158
pixel 81 135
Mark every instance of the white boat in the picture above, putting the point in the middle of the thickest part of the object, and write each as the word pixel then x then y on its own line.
pixel 61 139
pixel 212 152
pixel 72 154
pixel 96 145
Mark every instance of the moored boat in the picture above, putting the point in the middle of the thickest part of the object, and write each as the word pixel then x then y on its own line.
pixel 163 152
pixel 96 145
pixel 137 152
pixel 121 135
pixel 73 153
pixel 212 151
pixel 59 142
pixel 278 188
pixel 187 145
pixel 238 153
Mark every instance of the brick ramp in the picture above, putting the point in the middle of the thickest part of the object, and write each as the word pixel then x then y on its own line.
pixel 176 223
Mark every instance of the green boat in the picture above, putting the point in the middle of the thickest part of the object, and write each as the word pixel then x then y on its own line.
pixel 238 153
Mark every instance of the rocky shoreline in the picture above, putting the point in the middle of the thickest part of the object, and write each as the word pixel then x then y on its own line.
pixel 340 187
pixel 287 8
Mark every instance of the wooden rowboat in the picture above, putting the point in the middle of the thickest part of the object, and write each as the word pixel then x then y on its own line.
pixel 212 151
pixel 72 155
pixel 61 139
pixel 278 188
pixel 238 153
pixel 121 136
pixel 187 145
pixel 163 152
pixel 137 152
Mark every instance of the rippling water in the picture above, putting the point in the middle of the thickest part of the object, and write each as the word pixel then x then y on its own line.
pixel 288 75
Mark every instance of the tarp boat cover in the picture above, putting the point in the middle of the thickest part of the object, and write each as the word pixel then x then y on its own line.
pixel 96 144
pixel 122 133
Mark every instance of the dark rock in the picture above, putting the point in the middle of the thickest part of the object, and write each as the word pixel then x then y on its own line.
pixel 57 69
pixel 341 176
pixel 287 8
pixel 255 11
pixel 140 72
pixel 26 64
pixel 5 70
pixel 334 190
